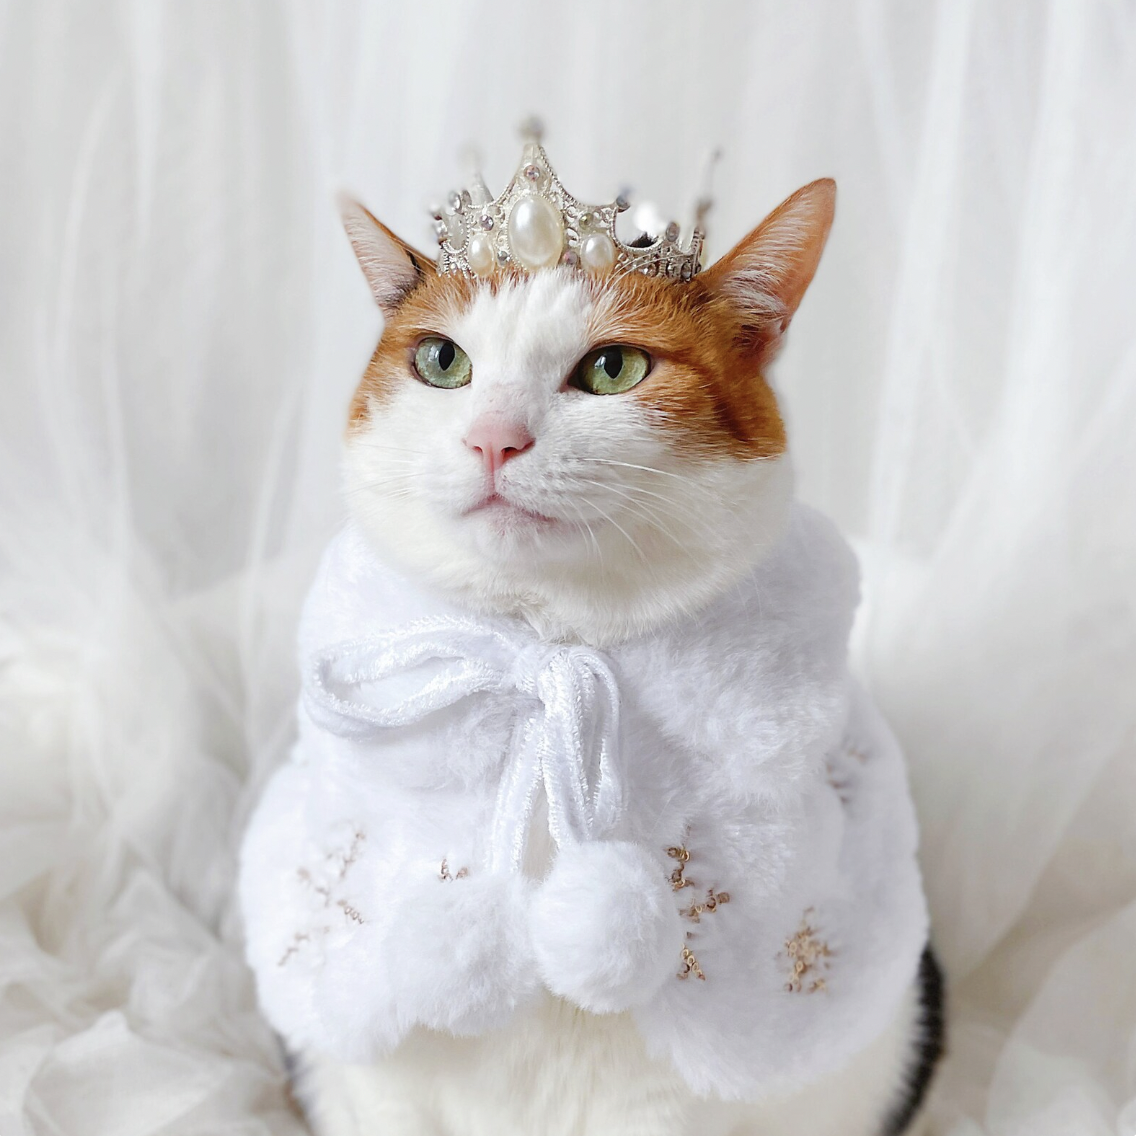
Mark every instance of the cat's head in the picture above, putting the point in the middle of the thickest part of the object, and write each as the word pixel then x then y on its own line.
pixel 595 453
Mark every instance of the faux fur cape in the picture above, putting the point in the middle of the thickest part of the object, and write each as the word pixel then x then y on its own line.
pixel 733 844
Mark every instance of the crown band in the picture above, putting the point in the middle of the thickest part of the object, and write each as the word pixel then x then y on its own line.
pixel 536 223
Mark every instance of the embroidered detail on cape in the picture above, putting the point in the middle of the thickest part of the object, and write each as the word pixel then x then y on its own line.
pixel 445 873
pixel 323 882
pixel 841 786
pixel 348 857
pixel 809 957
pixel 679 853
pixel 690 965
pixel 841 770
pixel 714 900
pixel 352 913
pixel 298 940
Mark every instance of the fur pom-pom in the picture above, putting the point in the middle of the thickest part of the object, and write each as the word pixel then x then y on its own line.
pixel 605 929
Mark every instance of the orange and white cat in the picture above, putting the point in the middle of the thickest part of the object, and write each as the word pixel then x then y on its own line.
pixel 599 456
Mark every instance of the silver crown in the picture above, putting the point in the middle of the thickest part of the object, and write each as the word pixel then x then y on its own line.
pixel 536 223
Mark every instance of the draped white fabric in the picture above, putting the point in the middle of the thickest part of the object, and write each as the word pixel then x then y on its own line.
pixel 181 327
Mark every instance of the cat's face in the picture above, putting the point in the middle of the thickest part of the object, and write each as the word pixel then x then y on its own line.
pixel 594 453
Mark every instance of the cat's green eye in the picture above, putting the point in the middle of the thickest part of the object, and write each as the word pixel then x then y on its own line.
pixel 612 369
pixel 442 363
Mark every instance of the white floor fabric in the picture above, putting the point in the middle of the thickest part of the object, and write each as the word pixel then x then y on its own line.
pixel 180 329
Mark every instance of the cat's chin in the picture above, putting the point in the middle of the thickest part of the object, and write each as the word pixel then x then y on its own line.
pixel 513 541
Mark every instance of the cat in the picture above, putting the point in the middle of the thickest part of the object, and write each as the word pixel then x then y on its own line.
pixel 599 456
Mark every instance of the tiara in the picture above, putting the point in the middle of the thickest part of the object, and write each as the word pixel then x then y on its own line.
pixel 536 223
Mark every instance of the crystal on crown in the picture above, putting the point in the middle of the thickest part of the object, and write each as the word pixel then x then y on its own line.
pixel 536 223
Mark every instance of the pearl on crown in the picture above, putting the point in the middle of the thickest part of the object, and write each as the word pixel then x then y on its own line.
pixel 480 254
pixel 536 232
pixel 597 253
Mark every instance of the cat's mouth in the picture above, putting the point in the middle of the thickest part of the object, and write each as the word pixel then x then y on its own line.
pixel 501 511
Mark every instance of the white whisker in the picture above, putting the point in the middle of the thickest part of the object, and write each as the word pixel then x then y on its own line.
pixel 631 465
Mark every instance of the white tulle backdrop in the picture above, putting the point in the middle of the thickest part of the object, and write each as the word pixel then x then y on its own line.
pixel 181 325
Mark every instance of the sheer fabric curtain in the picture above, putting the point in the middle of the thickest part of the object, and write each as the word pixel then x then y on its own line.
pixel 180 329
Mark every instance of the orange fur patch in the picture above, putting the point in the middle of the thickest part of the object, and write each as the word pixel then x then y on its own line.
pixel 433 304
pixel 706 386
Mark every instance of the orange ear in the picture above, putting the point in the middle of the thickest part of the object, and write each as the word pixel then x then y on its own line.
pixel 392 268
pixel 765 275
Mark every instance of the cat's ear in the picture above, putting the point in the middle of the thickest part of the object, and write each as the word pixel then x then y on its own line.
pixel 765 275
pixel 392 268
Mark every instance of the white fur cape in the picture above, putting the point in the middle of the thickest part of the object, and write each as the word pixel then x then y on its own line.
pixel 388 883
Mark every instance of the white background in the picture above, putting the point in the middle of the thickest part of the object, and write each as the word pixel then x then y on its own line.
pixel 181 325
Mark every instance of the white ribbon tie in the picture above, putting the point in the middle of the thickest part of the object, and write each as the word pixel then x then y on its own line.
pixel 566 740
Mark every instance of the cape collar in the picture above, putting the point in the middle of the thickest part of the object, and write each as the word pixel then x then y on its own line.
pixel 756 679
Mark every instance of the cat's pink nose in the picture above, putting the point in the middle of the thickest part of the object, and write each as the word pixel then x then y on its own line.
pixel 497 440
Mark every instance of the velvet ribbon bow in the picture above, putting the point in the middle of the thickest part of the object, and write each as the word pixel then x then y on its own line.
pixel 566 740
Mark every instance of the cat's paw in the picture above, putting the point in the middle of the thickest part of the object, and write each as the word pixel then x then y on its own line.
pixel 606 932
